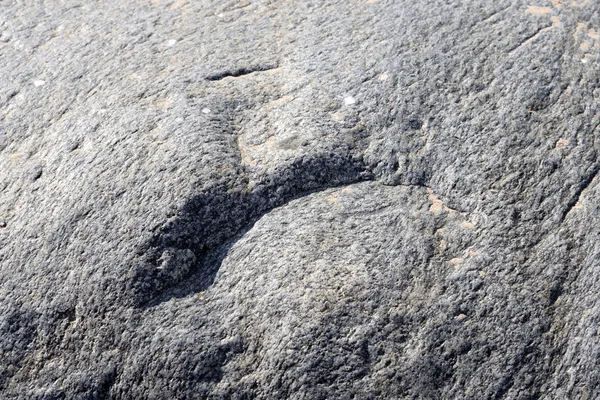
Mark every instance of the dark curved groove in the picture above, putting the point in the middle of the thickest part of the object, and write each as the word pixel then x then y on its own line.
pixel 202 275
pixel 241 72
pixel 210 223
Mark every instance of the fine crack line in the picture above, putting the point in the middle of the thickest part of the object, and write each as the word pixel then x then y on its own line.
pixel 236 73
pixel 582 187
pixel 489 17
pixel 569 207
pixel 531 38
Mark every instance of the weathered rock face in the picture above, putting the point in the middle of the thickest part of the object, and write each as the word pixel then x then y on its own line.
pixel 357 199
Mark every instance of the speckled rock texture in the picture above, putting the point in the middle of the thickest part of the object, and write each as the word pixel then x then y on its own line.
pixel 264 199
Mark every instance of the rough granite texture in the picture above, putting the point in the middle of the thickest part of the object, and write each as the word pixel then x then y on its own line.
pixel 299 199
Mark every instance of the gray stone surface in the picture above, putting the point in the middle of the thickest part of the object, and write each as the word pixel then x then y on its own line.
pixel 305 200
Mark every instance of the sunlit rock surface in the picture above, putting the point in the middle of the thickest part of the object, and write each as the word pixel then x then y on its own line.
pixel 299 200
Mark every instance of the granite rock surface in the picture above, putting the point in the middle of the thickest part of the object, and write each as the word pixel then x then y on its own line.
pixel 299 199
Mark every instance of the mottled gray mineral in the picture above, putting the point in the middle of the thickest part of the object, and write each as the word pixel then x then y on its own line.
pixel 324 199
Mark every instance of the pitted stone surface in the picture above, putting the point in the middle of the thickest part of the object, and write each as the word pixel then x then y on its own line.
pixel 358 199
